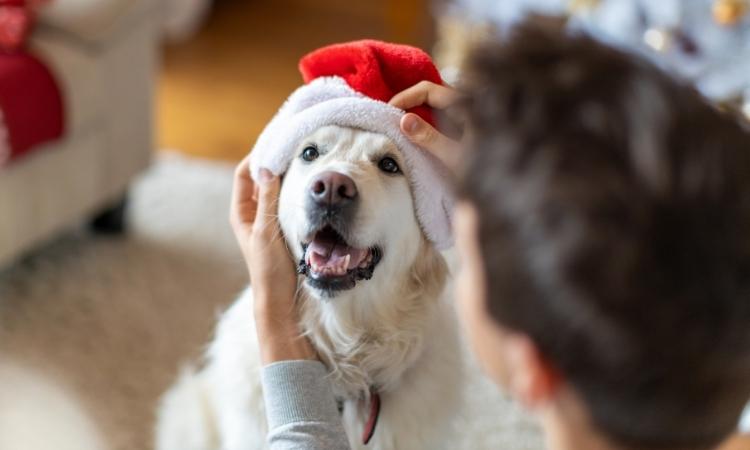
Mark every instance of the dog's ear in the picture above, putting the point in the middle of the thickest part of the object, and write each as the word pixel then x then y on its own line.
pixel 430 271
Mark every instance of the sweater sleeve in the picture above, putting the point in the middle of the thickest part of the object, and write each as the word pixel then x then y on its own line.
pixel 300 407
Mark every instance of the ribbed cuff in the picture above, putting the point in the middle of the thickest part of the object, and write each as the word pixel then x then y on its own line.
pixel 297 391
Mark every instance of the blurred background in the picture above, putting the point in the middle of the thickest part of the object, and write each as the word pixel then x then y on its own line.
pixel 120 123
pixel 219 88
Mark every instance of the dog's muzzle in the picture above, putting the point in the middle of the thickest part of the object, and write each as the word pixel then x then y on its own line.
pixel 332 197
pixel 329 261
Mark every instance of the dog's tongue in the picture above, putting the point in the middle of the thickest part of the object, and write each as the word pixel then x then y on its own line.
pixel 325 253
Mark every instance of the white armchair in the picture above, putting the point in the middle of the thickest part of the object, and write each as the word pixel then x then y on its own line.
pixel 104 56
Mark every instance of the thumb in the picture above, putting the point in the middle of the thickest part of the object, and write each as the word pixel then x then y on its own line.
pixel 426 136
pixel 268 196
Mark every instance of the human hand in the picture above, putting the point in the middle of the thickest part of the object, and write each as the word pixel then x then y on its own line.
pixel 417 129
pixel 273 277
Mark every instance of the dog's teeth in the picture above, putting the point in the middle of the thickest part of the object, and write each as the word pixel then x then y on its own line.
pixel 367 261
pixel 345 265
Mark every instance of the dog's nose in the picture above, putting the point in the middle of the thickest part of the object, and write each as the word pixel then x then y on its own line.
pixel 333 189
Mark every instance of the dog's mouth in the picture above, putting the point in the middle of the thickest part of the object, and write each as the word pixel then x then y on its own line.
pixel 331 264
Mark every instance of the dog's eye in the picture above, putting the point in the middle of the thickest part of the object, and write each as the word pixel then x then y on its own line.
pixel 388 165
pixel 310 153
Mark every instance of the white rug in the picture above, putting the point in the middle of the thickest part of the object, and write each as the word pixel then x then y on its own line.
pixel 112 318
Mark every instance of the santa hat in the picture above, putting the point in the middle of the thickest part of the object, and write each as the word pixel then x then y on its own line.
pixel 349 85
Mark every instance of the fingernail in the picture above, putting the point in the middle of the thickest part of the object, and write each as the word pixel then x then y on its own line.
pixel 265 175
pixel 411 123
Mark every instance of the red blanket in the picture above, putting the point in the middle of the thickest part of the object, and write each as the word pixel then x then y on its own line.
pixel 31 107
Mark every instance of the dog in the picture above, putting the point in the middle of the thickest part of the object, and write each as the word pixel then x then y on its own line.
pixel 373 301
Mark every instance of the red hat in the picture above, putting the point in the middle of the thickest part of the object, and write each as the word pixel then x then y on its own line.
pixel 349 85
pixel 376 69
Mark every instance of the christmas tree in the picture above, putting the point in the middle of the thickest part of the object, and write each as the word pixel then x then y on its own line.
pixel 704 41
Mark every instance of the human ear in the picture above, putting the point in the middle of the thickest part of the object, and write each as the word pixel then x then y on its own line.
pixel 532 379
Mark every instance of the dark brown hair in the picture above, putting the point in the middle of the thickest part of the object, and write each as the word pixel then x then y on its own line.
pixel 614 209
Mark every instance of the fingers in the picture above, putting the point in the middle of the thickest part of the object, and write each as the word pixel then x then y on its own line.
pixel 269 187
pixel 420 132
pixel 427 93
pixel 426 136
pixel 243 204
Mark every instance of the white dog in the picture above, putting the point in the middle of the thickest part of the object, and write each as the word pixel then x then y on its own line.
pixel 372 303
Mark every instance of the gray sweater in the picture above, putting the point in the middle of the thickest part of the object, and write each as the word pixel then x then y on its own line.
pixel 300 407
pixel 302 412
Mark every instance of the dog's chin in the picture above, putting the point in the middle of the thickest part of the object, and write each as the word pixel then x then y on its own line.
pixel 331 265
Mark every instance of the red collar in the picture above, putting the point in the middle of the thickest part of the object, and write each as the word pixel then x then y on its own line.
pixel 372 420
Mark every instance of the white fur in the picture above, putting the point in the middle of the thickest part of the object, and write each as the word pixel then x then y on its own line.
pixel 396 331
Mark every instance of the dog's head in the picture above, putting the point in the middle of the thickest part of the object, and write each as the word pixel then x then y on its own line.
pixel 347 212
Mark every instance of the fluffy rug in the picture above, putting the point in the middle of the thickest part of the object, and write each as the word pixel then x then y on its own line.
pixel 111 319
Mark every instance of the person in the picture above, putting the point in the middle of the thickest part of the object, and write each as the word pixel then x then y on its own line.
pixel 601 224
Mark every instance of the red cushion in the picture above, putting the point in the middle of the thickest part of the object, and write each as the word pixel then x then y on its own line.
pixel 15 26
pixel 31 103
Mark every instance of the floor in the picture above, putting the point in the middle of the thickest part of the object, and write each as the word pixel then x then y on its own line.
pixel 218 90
